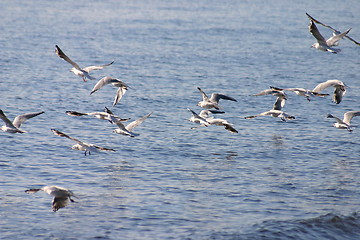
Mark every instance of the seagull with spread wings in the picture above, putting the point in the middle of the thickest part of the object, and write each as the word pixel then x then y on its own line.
pixel 339 92
pixel 335 32
pixel 325 45
pixel 82 72
pixel 82 146
pixel 345 122
pixel 14 126
pixel 61 195
pixel 301 92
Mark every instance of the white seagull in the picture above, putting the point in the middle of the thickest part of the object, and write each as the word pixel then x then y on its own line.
pixel 82 146
pixel 128 130
pixel 81 72
pixel 122 87
pixel 339 92
pixel 301 92
pixel 213 101
pixel 14 127
pixel 345 123
pixel 100 115
pixel 325 45
pixel 61 195
pixel 333 29
pixel 276 111
pixel 197 118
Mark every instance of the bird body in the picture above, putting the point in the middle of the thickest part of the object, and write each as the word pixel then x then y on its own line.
pixel 14 127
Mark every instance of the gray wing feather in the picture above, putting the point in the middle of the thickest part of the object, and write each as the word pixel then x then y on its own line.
pixel 90 68
pixel 62 55
pixel 22 118
pixel 137 122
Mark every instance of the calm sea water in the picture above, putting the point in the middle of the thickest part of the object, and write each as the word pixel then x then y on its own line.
pixel 273 180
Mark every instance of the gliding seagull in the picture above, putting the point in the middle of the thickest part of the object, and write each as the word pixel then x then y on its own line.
pixel 82 146
pixel 14 127
pixel 301 92
pixel 333 29
pixel 61 195
pixel 322 44
pixel 339 92
pixel 82 72
pixel 345 123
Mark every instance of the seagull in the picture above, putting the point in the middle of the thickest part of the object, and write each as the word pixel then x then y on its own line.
pixel 333 29
pixel 197 118
pixel 82 146
pixel 345 123
pixel 100 115
pixel 276 111
pixel 322 44
pixel 127 130
pixel 216 121
pixel 81 72
pixel 213 101
pixel 14 127
pixel 301 92
pixel 339 92
pixel 122 87
pixel 61 195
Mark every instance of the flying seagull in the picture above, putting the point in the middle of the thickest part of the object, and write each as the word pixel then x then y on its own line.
pixel 325 45
pixel 100 115
pixel 213 101
pixel 61 195
pixel 128 129
pixel 275 111
pixel 345 123
pixel 82 146
pixel 122 87
pixel 301 92
pixel 14 127
pixel 196 118
pixel 82 72
pixel 339 92
pixel 206 115
pixel 333 29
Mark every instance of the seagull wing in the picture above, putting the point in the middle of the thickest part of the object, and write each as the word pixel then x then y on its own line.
pixel 203 94
pixel 315 32
pixel 119 94
pixel 334 39
pixel 103 149
pixel 22 118
pixel 215 97
pixel 258 115
pixel 349 115
pixel 279 103
pixel 137 122
pixel 335 31
pixel 8 123
pixel 230 128
pixel 338 94
pixel 321 86
pixel 56 132
pixel 62 55
pixel 74 113
pixel 90 68
pixel 59 202
pixel 102 82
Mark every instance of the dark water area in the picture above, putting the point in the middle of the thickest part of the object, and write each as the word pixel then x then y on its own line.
pixel 297 179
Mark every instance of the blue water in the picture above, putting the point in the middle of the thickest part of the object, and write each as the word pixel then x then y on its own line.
pixel 273 180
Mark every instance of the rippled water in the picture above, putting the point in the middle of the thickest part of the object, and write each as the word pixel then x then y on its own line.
pixel 274 180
